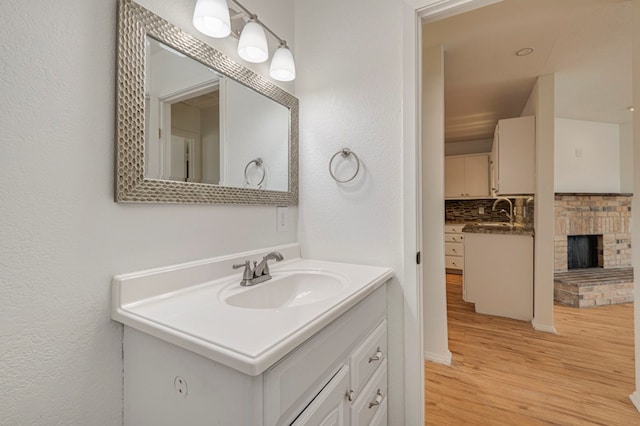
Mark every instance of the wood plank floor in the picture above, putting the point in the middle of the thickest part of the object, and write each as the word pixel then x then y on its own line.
pixel 504 373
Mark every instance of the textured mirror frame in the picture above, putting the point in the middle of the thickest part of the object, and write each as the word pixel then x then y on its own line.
pixel 134 24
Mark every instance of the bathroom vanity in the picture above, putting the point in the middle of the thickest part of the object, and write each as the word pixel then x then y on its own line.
pixel 308 346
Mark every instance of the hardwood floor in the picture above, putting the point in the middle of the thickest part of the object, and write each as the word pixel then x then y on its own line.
pixel 504 373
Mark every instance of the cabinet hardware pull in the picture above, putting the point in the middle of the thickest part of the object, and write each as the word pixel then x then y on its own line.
pixel 377 356
pixel 350 395
pixel 377 401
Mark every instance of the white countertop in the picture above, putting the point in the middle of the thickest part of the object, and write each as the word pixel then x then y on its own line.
pixel 195 316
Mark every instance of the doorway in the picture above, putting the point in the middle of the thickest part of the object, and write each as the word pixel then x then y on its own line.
pixel 562 93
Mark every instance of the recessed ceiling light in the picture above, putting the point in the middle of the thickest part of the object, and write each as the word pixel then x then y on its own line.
pixel 525 51
pixel 630 108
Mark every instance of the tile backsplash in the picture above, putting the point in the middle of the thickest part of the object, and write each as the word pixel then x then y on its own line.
pixel 467 210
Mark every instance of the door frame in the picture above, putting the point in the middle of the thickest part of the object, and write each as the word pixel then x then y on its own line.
pixel 414 13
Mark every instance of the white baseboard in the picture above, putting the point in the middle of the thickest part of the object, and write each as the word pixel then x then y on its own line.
pixel 440 358
pixel 543 327
pixel 635 399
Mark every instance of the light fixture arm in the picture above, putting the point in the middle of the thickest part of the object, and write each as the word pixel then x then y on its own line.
pixel 253 16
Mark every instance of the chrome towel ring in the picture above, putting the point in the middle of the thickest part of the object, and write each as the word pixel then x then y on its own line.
pixel 345 152
pixel 259 164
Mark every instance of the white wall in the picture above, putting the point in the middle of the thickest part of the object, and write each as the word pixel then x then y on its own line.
pixel 587 156
pixel 349 58
pixel 62 236
pixel 635 204
pixel 626 157
pixel 254 127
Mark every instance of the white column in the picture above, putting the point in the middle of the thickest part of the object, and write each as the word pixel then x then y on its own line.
pixel 436 344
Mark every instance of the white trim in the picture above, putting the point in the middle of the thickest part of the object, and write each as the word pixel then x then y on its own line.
pixel 444 358
pixel 446 8
pixel 191 91
pixel 543 327
pixel 635 399
pixel 412 287
pixel 414 11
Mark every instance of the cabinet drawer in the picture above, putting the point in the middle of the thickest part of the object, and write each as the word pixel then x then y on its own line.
pixel 454 249
pixel 454 238
pixel 380 419
pixel 453 229
pixel 454 262
pixel 367 357
pixel 371 399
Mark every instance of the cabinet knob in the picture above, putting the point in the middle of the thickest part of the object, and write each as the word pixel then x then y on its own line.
pixel 377 356
pixel 376 401
pixel 454 250
pixel 350 395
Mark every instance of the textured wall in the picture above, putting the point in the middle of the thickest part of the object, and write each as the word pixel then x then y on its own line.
pixel 350 90
pixel 62 237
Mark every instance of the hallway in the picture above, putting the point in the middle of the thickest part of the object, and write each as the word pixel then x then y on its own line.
pixel 504 373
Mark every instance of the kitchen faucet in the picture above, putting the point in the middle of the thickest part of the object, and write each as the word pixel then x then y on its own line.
pixel 510 213
pixel 260 272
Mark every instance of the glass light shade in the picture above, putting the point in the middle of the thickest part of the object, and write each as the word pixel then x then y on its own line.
pixel 283 68
pixel 252 46
pixel 211 17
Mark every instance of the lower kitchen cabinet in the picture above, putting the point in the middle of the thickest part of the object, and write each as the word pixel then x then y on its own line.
pixel 454 248
pixel 498 274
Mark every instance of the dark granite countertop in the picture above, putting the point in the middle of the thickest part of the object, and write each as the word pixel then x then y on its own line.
pixel 498 228
pixel 594 194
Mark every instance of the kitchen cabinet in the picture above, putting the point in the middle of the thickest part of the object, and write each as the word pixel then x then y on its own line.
pixel 454 247
pixel 498 274
pixel 513 157
pixel 466 176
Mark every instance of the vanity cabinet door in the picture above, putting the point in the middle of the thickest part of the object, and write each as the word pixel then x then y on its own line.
pixel 330 407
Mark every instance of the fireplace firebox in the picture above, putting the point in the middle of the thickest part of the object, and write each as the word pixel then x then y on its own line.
pixel 584 251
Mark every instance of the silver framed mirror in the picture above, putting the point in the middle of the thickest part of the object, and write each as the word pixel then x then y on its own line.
pixel 249 177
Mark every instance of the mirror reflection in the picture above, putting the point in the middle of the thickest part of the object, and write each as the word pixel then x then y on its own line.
pixel 203 127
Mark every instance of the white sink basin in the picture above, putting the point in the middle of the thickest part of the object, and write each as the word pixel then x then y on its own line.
pixel 288 290
pixel 201 306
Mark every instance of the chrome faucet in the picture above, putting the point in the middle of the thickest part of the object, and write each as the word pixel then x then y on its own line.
pixel 510 213
pixel 260 272
pixel 526 207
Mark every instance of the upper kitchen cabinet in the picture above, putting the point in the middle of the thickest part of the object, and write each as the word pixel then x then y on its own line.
pixel 513 157
pixel 466 176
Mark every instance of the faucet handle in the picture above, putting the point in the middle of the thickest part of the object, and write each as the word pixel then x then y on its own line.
pixel 247 273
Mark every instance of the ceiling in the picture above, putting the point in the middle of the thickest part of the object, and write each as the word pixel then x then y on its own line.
pixel 586 43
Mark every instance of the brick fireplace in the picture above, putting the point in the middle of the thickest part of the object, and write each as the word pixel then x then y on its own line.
pixel 603 215
pixel 601 223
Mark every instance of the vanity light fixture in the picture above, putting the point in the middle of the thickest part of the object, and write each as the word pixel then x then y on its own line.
pixel 252 46
pixel 212 18
pixel 283 67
